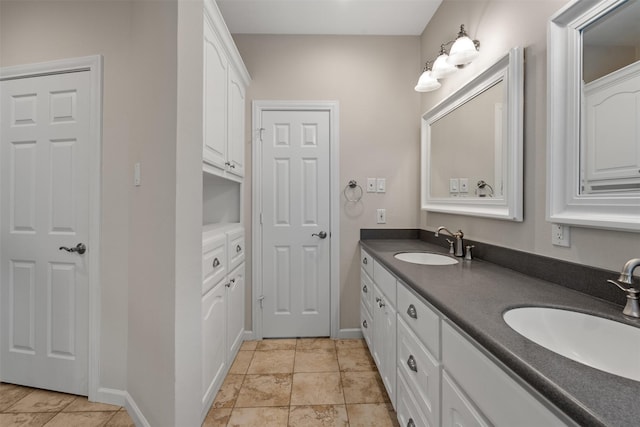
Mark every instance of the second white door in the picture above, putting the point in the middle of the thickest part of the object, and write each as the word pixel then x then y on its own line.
pixel 296 223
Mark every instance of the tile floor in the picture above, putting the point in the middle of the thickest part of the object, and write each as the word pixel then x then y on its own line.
pixel 29 407
pixel 272 383
pixel 302 383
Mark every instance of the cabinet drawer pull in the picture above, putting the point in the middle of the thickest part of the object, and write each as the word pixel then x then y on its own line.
pixel 411 423
pixel 238 249
pixel 411 311
pixel 216 262
pixel 364 323
pixel 411 363
pixel 381 304
pixel 364 261
pixel 364 289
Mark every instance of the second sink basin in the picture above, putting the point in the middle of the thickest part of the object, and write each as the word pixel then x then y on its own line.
pixel 426 258
pixel 603 344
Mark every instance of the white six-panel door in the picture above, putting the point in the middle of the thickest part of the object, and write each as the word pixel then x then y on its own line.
pixel 44 185
pixel 295 212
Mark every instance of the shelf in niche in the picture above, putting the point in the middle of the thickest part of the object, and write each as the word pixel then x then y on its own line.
pixel 221 200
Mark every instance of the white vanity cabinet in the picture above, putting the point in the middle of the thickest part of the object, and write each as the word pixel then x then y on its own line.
pixel 225 82
pixel 223 274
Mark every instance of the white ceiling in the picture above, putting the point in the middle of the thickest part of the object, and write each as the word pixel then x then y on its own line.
pixel 332 17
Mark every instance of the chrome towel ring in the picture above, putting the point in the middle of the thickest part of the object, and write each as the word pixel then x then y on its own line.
pixel 353 191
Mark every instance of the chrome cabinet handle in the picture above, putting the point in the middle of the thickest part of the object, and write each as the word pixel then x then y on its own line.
pixel 216 262
pixel 80 248
pixel 364 289
pixel 231 282
pixel 411 423
pixel 411 311
pixel 411 363
pixel 378 299
pixel 322 234
pixel 238 249
pixel 364 323
pixel 365 261
pixel 381 303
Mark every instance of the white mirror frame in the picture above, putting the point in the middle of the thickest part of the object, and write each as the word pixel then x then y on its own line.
pixel 565 204
pixel 510 70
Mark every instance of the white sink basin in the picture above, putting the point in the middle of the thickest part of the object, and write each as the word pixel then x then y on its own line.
pixel 426 258
pixel 603 344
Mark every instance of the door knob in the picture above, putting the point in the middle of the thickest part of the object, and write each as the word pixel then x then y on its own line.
pixel 322 234
pixel 80 248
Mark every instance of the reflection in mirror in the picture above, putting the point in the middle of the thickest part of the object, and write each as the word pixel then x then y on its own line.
pixel 593 115
pixel 466 144
pixel 472 145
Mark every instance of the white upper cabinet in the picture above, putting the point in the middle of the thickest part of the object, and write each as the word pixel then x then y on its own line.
pixel 225 82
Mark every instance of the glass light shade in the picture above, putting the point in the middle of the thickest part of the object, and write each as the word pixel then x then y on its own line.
pixel 463 51
pixel 426 83
pixel 441 68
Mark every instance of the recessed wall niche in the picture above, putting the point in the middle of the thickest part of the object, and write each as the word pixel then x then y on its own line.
pixel 220 200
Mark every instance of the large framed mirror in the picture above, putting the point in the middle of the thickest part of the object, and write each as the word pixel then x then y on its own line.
pixel 471 156
pixel 594 115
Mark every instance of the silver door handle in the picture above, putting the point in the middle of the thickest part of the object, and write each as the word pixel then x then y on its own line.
pixel 322 234
pixel 80 248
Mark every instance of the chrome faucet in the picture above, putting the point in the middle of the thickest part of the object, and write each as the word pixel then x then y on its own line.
pixel 458 235
pixel 632 308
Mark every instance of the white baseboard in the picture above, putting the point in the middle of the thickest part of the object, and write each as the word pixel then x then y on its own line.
pixel 111 396
pixel 249 336
pixel 351 333
pixel 134 412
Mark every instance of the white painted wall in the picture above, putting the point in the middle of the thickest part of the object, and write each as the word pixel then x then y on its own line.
pixel 500 25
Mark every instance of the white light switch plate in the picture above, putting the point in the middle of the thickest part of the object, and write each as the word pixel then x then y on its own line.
pixel 371 185
pixel 136 174
pixel 453 185
pixel 382 216
pixel 464 185
pixel 382 185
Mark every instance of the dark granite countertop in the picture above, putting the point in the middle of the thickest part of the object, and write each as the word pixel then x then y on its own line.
pixel 474 295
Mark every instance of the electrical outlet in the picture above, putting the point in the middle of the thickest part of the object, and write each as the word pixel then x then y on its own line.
pixel 464 185
pixel 371 185
pixel 560 235
pixel 382 185
pixel 453 185
pixel 382 216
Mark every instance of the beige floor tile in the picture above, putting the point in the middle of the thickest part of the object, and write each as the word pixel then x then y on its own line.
pixel 11 393
pixel 121 419
pixel 263 417
pixel 249 345
pixel 265 390
pixel 319 360
pixel 363 387
pixel 241 362
pixel 320 388
pixel 228 393
pixel 42 401
pixel 355 359
pixel 352 343
pixel 272 362
pixel 25 420
pixel 271 344
pixel 315 344
pixel 217 417
pixel 371 415
pixel 318 416
pixel 80 419
pixel 82 404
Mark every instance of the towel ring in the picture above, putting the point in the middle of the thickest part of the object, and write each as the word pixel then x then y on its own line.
pixel 355 187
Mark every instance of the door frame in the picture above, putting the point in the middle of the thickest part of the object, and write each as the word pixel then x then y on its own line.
pixel 332 107
pixel 94 65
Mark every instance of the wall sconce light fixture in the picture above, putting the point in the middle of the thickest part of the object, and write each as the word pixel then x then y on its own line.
pixel 462 52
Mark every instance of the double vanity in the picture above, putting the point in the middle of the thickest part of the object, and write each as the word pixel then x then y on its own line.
pixel 449 340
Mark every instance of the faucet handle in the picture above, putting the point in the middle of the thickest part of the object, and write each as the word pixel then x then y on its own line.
pixel 451 251
pixel 632 308
pixel 630 290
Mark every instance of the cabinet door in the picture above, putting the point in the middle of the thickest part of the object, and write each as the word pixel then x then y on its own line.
pixel 366 325
pixel 214 355
pixel 235 310
pixel 236 124
pixel 215 100
pixel 384 341
pixel 457 411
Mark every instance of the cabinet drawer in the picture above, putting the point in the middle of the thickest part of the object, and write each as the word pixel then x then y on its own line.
pixel 385 281
pixel 366 262
pixel 214 261
pixel 235 247
pixel 498 396
pixel 366 325
pixel 422 320
pixel 409 413
pixel 421 371
pixel 456 409
pixel 366 289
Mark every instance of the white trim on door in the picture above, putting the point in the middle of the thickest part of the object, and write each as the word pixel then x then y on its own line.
pixel 334 193
pixel 92 64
